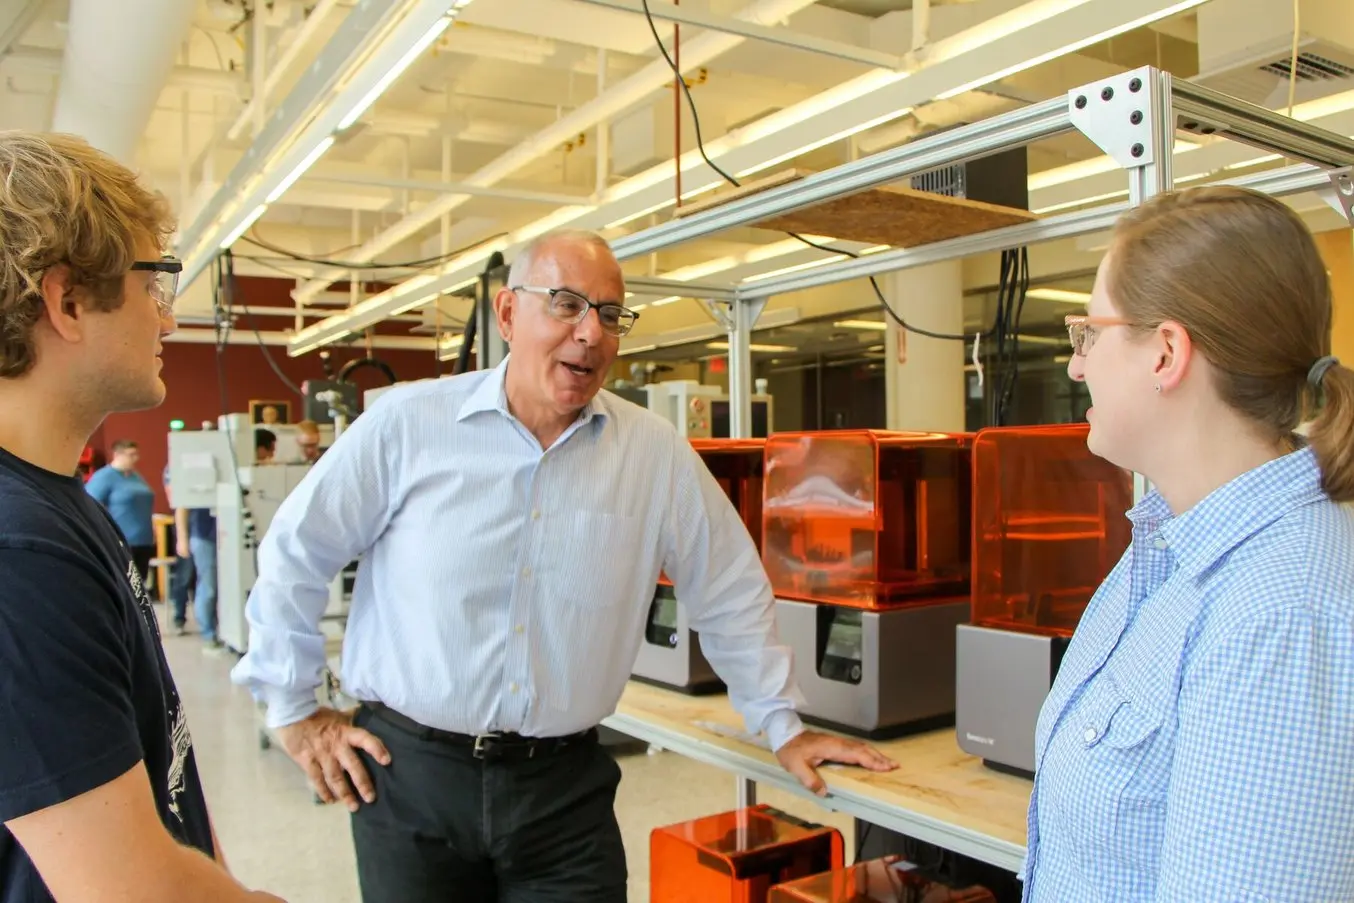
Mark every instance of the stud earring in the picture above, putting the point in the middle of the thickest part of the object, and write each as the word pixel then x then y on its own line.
pixel 1157 387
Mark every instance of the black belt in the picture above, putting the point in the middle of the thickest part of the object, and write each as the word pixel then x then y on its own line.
pixel 498 746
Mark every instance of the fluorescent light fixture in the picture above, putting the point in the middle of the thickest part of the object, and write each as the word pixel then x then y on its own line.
pixel 1254 161
pixel 449 345
pixel 876 325
pixel 1084 169
pixel 1058 294
pixel 724 346
pixel 806 265
pixel 1079 202
pixel 300 169
pixel 453 289
pixel 243 227
pixel 422 44
pixel 625 220
pixel 663 301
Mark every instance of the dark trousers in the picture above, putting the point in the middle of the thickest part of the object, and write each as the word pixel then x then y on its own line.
pixel 181 577
pixel 447 827
pixel 141 556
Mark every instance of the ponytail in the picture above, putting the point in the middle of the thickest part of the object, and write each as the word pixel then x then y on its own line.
pixel 1331 434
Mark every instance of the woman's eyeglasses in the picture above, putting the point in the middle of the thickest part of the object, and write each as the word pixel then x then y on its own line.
pixel 1083 330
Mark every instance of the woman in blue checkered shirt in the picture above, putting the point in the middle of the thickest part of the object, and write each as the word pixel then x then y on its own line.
pixel 1198 743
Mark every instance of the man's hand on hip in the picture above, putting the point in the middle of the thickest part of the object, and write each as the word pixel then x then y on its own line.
pixel 323 745
pixel 802 755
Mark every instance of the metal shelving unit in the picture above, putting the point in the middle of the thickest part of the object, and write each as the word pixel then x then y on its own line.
pixel 1133 117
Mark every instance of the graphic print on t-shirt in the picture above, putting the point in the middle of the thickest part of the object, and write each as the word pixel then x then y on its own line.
pixel 181 741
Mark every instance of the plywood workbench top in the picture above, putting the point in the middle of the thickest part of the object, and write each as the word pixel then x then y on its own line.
pixel 934 777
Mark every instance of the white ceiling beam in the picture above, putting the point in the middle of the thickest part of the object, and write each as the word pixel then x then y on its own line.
pixel 615 100
pixel 15 20
pixel 782 36
pixel 1008 42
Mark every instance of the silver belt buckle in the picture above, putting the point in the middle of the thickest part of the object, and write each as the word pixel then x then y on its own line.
pixel 479 751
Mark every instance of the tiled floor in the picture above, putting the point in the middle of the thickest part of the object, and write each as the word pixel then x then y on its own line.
pixel 276 838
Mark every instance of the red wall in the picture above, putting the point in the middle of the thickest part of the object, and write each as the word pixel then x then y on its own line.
pixel 190 374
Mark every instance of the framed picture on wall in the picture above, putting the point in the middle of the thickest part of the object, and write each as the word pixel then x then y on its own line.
pixel 268 413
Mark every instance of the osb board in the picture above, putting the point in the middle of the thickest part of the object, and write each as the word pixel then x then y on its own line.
pixel 934 777
pixel 889 215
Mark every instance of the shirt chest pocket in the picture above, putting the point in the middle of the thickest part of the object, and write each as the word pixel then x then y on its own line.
pixel 591 559
pixel 1119 742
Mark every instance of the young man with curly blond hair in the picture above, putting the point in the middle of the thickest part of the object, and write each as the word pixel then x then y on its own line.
pixel 100 797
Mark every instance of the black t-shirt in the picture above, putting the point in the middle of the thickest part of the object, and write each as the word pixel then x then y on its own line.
pixel 85 691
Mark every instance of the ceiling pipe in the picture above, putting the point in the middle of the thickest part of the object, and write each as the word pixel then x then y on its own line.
pixel 115 67
pixel 621 97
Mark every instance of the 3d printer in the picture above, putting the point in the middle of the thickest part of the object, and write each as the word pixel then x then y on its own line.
pixel 1049 525
pixel 890 879
pixel 738 856
pixel 867 544
pixel 669 654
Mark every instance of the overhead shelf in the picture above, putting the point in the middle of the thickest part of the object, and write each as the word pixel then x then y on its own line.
pixel 886 215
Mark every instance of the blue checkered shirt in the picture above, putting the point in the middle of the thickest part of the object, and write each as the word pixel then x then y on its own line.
pixel 1198 743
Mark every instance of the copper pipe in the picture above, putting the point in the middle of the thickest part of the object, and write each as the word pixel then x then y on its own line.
pixel 677 104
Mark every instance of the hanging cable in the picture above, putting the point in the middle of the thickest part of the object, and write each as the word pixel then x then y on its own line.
pixel 700 148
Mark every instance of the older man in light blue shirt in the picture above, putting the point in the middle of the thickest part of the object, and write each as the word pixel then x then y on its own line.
pixel 512 525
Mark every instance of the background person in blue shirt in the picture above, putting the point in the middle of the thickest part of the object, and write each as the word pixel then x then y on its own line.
pixel 1198 742
pixel 129 500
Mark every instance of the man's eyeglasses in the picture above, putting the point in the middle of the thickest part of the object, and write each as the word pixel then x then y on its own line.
pixel 1083 330
pixel 570 307
pixel 165 284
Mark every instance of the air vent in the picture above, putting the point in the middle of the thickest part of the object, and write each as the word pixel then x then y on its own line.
pixel 1311 68
pixel 1245 49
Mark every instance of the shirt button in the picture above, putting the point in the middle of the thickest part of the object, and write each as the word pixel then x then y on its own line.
pixel 526 572
pixel 1090 735
pixel 518 629
pixel 513 686
pixel 1160 542
pixel 535 514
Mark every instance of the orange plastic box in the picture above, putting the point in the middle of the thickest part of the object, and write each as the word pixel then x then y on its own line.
pixel 736 857
pixel 868 518
pixel 1048 525
pixel 891 879
pixel 737 465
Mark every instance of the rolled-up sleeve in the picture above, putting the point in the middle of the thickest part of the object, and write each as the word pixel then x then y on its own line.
pixel 718 577
pixel 1261 802
pixel 335 515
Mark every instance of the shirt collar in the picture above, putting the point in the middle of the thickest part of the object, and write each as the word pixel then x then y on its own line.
pixel 1199 537
pixel 492 395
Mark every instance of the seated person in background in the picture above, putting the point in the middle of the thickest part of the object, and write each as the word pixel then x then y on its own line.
pixel 129 500
pixel 308 438
pixel 265 445
pixel 100 797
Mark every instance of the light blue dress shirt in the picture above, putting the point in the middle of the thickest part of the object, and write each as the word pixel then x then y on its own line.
pixel 503 588
pixel 1198 743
